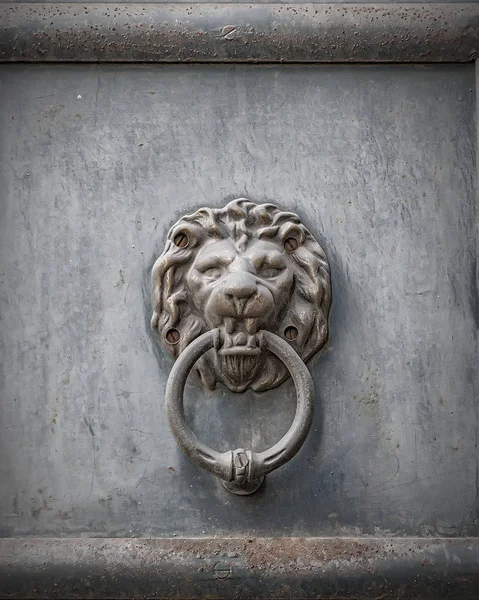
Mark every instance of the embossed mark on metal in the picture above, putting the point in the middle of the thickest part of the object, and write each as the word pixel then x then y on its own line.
pixel 242 293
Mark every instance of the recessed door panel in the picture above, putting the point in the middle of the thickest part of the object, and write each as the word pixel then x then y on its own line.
pixel 98 162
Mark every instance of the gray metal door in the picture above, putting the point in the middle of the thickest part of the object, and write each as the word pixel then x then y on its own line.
pixel 285 104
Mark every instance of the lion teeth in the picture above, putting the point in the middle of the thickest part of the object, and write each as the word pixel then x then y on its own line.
pixel 229 324
pixel 240 339
pixel 250 325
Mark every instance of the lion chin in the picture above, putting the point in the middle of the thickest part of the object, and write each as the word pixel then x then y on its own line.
pixel 239 370
pixel 239 360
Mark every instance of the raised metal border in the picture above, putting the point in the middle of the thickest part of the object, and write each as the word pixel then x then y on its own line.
pixel 172 33
pixel 379 568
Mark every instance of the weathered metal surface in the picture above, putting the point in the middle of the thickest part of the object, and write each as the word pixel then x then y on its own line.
pixel 97 163
pixel 227 568
pixel 239 32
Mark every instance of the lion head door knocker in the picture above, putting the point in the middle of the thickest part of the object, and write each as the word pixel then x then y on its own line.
pixel 242 294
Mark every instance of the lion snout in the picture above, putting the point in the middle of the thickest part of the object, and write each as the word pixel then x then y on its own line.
pixel 241 301
pixel 240 286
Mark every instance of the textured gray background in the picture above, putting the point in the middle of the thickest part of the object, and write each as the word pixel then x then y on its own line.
pixel 96 164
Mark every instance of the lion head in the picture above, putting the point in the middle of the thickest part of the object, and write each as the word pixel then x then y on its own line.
pixel 242 268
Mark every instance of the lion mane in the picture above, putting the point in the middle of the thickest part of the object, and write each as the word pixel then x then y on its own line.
pixel 242 220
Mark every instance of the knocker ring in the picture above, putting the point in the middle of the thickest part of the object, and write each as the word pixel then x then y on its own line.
pixel 242 471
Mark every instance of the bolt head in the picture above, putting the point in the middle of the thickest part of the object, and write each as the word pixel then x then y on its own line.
pixel 291 244
pixel 291 333
pixel 181 240
pixel 172 336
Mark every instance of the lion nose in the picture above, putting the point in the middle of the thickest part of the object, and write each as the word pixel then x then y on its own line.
pixel 240 286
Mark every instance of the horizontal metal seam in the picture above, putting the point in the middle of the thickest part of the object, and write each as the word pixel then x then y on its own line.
pixel 239 33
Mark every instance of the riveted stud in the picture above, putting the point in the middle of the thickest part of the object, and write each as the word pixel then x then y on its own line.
pixel 291 244
pixel 291 333
pixel 172 336
pixel 181 240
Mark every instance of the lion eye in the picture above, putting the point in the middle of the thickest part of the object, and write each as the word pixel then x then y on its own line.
pixel 213 273
pixel 270 272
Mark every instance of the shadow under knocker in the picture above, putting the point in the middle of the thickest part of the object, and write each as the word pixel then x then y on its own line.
pixel 242 294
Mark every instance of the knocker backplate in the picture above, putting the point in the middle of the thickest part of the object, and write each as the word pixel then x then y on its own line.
pixel 241 269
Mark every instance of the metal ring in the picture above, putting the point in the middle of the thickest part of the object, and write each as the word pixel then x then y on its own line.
pixel 242 471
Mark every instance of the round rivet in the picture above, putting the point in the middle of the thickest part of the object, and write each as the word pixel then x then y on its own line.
pixel 172 336
pixel 222 570
pixel 181 240
pixel 291 333
pixel 291 244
